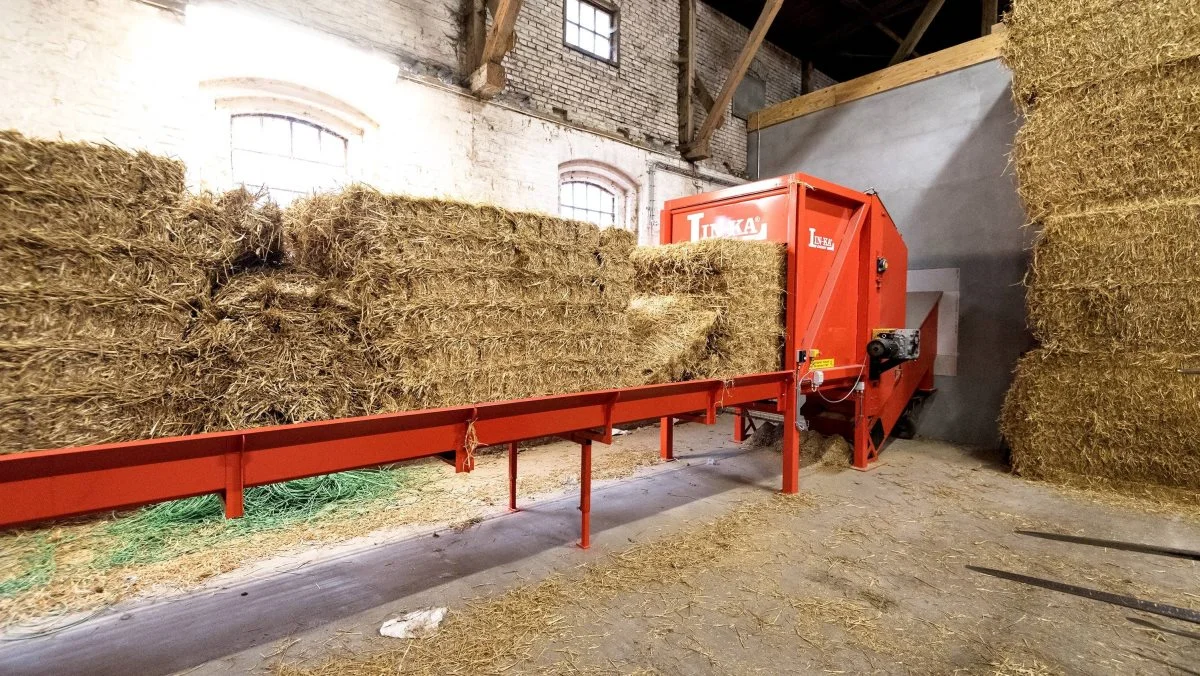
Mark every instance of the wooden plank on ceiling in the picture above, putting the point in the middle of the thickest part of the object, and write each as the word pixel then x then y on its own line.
pixel 931 65
pixel 917 31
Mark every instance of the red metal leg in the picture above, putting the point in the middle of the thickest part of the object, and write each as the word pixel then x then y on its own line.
pixel 791 444
pixel 585 494
pixel 234 483
pixel 739 425
pixel 512 477
pixel 666 439
pixel 862 434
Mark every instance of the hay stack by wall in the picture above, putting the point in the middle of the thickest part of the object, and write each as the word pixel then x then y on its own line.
pixel 91 301
pixel 1136 137
pixel 1123 418
pixel 741 282
pixel 1053 45
pixel 467 303
pixel 104 271
pixel 1109 162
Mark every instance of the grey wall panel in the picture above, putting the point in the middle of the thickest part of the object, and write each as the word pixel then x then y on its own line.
pixel 937 152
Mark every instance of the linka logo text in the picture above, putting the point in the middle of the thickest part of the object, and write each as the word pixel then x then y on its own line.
pixel 816 241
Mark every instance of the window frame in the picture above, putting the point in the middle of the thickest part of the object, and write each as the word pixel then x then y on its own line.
pixel 292 120
pixel 618 208
pixel 614 39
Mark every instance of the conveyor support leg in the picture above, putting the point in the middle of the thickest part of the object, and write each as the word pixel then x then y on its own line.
pixel 666 439
pixel 512 477
pixel 585 494
pixel 739 425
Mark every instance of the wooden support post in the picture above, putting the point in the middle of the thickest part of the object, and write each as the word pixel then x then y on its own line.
pixel 687 69
pixel 235 485
pixel 585 494
pixel 666 439
pixel 699 147
pixel 991 14
pixel 512 477
pixel 917 32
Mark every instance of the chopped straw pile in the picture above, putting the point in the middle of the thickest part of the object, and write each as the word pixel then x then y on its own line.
pixel 1109 167
pixel 709 309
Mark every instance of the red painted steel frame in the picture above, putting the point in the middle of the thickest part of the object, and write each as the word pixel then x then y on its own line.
pixel 44 485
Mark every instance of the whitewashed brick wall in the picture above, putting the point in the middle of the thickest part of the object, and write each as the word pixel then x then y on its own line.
pixel 128 73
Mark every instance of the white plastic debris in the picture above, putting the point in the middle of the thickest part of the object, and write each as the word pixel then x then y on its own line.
pixel 619 432
pixel 417 624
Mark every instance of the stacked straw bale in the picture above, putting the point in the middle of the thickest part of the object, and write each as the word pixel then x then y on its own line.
pixel 107 262
pixel 709 309
pixel 277 346
pixel 1109 167
pixel 464 303
pixel 96 292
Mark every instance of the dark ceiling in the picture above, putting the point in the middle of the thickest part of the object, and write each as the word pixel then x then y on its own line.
pixel 841 36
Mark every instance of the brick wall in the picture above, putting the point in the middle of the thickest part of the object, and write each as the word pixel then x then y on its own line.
pixel 636 96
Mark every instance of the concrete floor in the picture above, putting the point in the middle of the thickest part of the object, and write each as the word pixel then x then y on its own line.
pixel 869 579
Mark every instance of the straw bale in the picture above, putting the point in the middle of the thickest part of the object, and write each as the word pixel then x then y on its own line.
pixel 1134 138
pixel 1054 45
pixel 465 303
pixel 38 170
pixel 231 232
pixel 1115 279
pixel 1105 418
pixel 741 281
pixel 96 295
pixel 277 347
pixel 671 335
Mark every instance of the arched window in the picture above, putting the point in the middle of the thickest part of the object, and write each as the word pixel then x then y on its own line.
pixel 597 193
pixel 584 201
pixel 286 156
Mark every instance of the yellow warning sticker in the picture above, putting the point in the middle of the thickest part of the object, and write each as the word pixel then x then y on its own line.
pixel 822 364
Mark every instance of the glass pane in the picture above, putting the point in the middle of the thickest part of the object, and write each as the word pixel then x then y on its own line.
pixel 276 136
pixel 573 11
pixel 246 131
pixel 603 48
pixel 580 199
pixel 333 149
pixel 595 198
pixel 572 34
pixel 586 41
pixel 564 193
pixel 587 17
pixel 610 203
pixel 306 142
pixel 603 23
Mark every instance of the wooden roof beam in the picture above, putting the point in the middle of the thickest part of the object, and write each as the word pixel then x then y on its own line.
pixel 699 148
pixel 488 77
pixel 917 32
